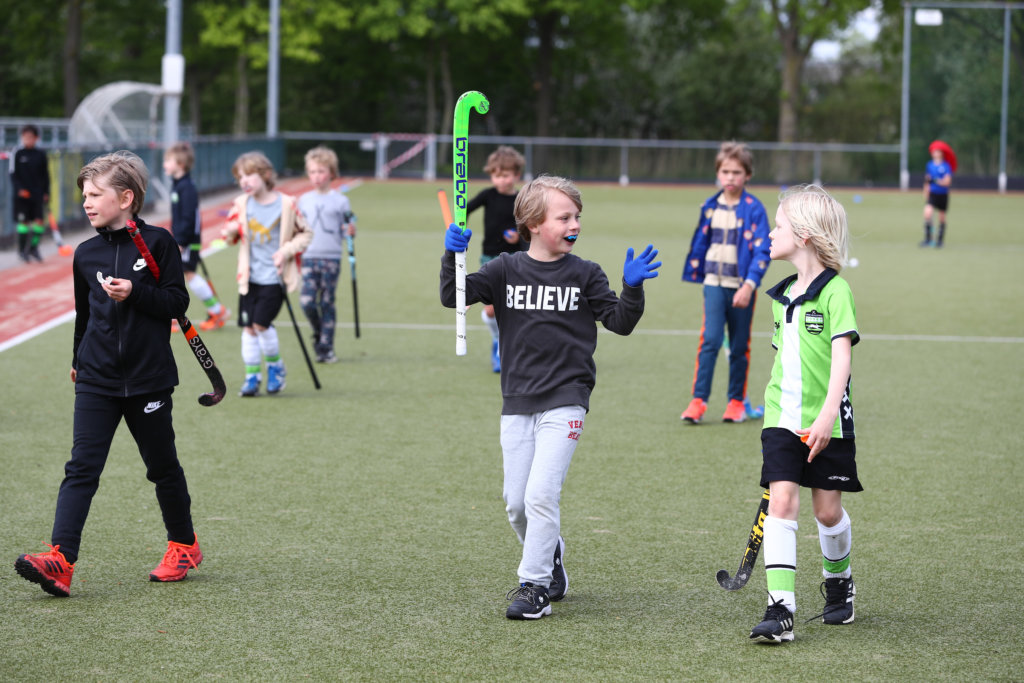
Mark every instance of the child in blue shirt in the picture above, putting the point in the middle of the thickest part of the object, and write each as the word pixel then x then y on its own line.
pixel 938 178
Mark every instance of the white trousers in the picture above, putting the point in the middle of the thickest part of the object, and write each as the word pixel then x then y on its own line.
pixel 536 450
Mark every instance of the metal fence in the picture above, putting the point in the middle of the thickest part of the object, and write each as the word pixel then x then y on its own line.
pixel 214 158
pixel 622 160
pixel 428 157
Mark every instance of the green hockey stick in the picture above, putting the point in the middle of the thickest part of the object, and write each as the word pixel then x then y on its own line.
pixel 460 173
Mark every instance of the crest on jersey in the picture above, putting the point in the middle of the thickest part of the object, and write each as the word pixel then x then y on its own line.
pixel 814 322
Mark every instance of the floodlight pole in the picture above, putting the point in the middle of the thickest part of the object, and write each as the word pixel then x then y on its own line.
pixel 273 67
pixel 1006 98
pixel 905 102
pixel 1004 108
pixel 172 54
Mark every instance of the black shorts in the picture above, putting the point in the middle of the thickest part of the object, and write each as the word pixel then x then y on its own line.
pixel 260 306
pixel 939 201
pixel 785 459
pixel 190 261
pixel 28 210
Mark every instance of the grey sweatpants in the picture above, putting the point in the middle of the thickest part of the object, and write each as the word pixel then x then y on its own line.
pixel 536 450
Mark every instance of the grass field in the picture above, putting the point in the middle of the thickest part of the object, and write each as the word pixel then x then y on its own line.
pixel 358 533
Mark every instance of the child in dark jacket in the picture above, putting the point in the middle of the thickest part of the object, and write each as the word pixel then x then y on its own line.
pixel 187 229
pixel 122 368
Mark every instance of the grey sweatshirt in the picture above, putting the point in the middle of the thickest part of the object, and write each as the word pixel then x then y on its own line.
pixel 546 313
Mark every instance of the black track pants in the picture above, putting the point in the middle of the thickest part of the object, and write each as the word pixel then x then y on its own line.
pixel 96 419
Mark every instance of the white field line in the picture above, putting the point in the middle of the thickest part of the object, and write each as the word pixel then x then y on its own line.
pixel 65 317
pixel 420 327
pixel 935 338
pixel 37 330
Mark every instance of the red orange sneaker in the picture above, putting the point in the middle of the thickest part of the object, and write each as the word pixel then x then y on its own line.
pixel 50 570
pixel 735 412
pixel 178 559
pixel 695 411
pixel 215 321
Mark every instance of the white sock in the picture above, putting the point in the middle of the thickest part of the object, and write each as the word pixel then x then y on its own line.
pixel 836 543
pixel 250 353
pixel 202 289
pixel 779 549
pixel 269 346
pixel 492 324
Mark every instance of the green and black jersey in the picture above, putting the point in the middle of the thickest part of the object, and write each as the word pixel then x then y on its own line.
pixel 804 330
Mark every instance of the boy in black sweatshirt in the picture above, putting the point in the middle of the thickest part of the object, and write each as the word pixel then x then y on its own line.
pixel 546 301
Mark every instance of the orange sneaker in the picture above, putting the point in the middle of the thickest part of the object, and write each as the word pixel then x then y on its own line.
pixel 695 411
pixel 50 570
pixel 178 559
pixel 735 412
pixel 215 321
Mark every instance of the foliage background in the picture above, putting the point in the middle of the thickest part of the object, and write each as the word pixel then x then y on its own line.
pixel 705 70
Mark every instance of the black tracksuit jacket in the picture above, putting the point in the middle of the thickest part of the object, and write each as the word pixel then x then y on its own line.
pixel 123 348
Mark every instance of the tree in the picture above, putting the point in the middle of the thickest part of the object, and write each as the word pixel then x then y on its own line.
pixel 799 25
pixel 243 29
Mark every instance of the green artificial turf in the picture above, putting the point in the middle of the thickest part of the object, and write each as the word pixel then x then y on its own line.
pixel 358 532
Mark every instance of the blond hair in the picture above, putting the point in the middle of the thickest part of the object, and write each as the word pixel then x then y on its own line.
pixel 121 170
pixel 324 156
pixel 505 158
pixel 183 154
pixel 531 205
pixel 255 162
pixel 819 219
pixel 738 152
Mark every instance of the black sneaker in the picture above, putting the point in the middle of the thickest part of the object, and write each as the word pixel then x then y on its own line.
pixel 776 627
pixel 838 594
pixel 559 579
pixel 528 602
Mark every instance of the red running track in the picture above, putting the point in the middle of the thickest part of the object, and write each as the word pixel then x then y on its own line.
pixel 37 296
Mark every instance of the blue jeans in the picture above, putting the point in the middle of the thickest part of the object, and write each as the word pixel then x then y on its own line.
pixel 721 315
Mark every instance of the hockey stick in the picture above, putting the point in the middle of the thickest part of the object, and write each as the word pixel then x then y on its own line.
pixel 62 249
pixel 206 275
pixel 446 211
pixel 749 553
pixel 355 289
pixel 302 344
pixel 199 349
pixel 460 173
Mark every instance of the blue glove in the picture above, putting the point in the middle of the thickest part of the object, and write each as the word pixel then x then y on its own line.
pixel 634 272
pixel 455 239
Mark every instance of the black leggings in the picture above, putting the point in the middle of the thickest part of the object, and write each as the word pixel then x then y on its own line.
pixel 96 419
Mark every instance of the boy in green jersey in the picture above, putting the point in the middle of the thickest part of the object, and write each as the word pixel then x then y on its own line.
pixel 808 437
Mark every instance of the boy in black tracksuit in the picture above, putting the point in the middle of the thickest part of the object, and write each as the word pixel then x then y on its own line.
pixel 123 368
pixel 30 181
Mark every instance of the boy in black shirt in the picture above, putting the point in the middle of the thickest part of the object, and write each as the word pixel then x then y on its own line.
pixel 505 166
pixel 30 180
pixel 546 302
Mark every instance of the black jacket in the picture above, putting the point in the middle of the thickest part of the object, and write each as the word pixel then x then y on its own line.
pixel 31 173
pixel 185 212
pixel 123 348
